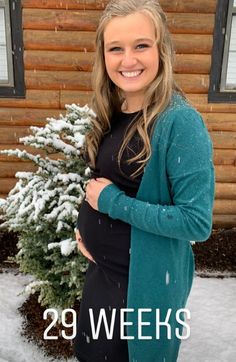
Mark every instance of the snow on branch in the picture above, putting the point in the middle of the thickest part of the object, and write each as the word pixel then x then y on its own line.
pixel 43 206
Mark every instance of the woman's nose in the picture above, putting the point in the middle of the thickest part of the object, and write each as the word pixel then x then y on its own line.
pixel 129 59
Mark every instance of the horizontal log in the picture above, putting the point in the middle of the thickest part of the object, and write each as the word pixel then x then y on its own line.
pixel 72 80
pixel 225 207
pixel 58 60
pixel 185 23
pixel 11 117
pixel 226 221
pixel 50 19
pixel 225 140
pixel 9 169
pixel 221 157
pixel 200 101
pixel 83 61
pixel 226 173
pixel 65 4
pixel 59 40
pixel 33 99
pixel 58 80
pixel 84 41
pixel 49 99
pixel 192 63
pixel 225 191
pixel 68 97
pixel 192 83
pixel 195 6
pixel 220 121
pixel 192 43
pixel 6 184
pixel 53 19
pixel 225 157
pixel 12 135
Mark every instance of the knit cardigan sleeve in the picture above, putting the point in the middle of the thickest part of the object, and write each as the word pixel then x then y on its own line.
pixel 191 178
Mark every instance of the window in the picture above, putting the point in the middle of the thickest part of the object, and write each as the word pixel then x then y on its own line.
pixel 223 68
pixel 6 67
pixel 11 50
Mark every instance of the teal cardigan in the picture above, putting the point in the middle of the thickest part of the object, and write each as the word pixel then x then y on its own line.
pixel 173 206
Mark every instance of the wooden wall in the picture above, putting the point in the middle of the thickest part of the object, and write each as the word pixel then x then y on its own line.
pixel 58 57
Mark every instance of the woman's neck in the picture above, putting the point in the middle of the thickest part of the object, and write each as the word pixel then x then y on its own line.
pixel 131 105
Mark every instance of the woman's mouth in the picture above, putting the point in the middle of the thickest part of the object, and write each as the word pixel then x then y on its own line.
pixel 133 74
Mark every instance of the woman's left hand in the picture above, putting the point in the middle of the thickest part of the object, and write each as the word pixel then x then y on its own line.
pixel 93 190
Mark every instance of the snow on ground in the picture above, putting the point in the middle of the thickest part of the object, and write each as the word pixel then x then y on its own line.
pixel 12 346
pixel 212 304
pixel 213 323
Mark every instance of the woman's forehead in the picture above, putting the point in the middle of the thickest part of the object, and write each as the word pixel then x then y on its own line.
pixel 136 25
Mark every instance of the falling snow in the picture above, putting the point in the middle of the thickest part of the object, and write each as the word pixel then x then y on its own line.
pixel 167 277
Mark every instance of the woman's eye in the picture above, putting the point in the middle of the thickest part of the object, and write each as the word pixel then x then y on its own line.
pixel 119 49
pixel 142 46
pixel 115 49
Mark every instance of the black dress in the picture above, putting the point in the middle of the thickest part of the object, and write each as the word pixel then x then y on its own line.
pixel 108 241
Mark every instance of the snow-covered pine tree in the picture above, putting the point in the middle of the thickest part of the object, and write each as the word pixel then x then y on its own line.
pixel 43 207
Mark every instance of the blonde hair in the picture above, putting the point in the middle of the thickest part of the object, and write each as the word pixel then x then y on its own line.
pixel 108 97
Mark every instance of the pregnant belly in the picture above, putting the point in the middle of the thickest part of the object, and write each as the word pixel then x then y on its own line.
pixel 107 240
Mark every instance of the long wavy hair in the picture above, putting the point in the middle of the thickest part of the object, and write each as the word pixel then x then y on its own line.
pixel 108 98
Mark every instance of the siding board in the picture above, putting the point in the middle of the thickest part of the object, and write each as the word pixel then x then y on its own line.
pixel 6 184
pixel 59 40
pixel 58 60
pixel 34 99
pixel 84 41
pixel 58 80
pixel 17 117
pixel 9 169
pixel 51 19
pixel 83 61
pixel 60 19
pixel 172 6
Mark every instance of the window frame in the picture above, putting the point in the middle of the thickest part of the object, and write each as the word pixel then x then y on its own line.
pixel 16 90
pixel 231 14
pixel 5 6
pixel 220 46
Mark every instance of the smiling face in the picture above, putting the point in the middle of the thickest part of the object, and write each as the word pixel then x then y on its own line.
pixel 131 56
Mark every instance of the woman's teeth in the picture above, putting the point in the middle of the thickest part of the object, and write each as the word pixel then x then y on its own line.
pixel 131 74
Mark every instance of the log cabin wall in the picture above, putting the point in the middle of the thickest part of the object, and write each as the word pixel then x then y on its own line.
pixel 58 55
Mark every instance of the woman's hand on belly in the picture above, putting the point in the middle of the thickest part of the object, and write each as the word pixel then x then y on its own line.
pixel 82 248
pixel 93 190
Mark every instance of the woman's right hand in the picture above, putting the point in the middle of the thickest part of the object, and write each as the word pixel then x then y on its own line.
pixel 82 248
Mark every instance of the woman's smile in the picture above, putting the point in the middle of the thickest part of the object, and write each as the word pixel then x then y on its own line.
pixel 131 74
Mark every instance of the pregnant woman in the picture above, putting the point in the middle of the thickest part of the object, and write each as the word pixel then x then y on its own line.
pixel 151 192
